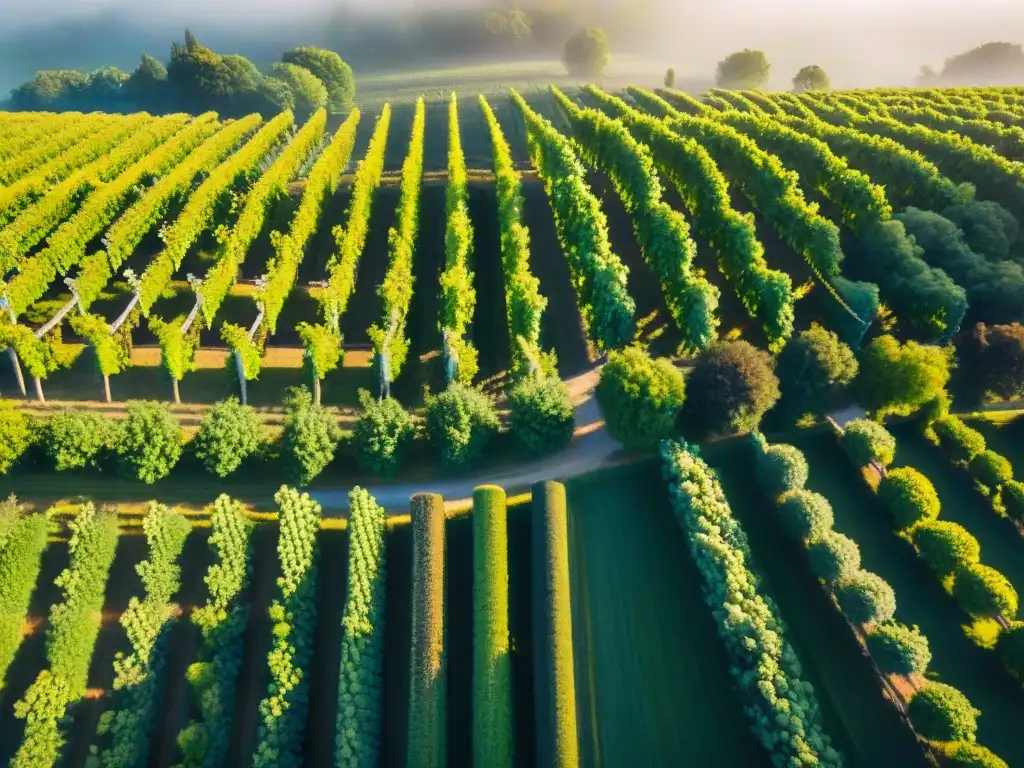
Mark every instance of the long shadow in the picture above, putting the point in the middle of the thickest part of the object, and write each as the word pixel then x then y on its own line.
pixel 520 568
pixel 458 611
pixel 397 638
pixel 490 326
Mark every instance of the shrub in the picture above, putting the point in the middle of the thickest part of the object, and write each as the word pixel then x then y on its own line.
pixel 731 386
pixel 960 442
pixel 967 754
pixel 382 434
pixel 555 698
pixel 811 78
pixel 898 649
pixel 804 514
pixel 940 712
pixel 1013 499
pixel 427 743
pixel 492 673
pixel 990 469
pixel 229 434
pixel 984 592
pixel 946 547
pixel 16 434
pixel 148 442
pixel 74 439
pixel 866 598
pixel 833 556
pixel 586 53
pixel 909 496
pixel 310 94
pixel 639 397
pixel 310 438
pixel 899 378
pixel 743 70
pixel 21 554
pixel 813 369
pixel 331 70
pixel 1010 646
pixel 780 468
pixel 460 422
pixel 866 441
pixel 541 416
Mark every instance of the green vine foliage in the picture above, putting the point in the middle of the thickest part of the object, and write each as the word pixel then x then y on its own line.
pixel 396 290
pixel 40 357
pixel 323 347
pixel 663 233
pixel 112 357
pixel 177 350
pixel 248 349
pixel 458 297
pixel 598 275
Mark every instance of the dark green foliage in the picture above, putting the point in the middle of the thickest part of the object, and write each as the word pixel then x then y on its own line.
pixel 993 358
pixel 730 388
pixel 990 469
pixel 909 496
pixel 382 434
pixel 541 416
pixel 1013 499
pixel 460 423
pixel 310 94
pixel 310 438
pixel 900 378
pixel 779 468
pixel 670 78
pixel 942 713
pixel 74 439
pixel 945 546
pixel 814 369
pixel 148 442
pixel 867 441
pixel 640 397
pixel 866 598
pixel 329 68
pixel 960 442
pixel 586 53
pixel 744 70
pixel 15 434
pixel 804 514
pixel 811 78
pixel 492 672
pixel 553 674
pixel 987 227
pixel 21 552
pixel 228 434
pixel 898 649
pixel 984 592
pixel 833 556
pixel 967 754
pixel 1010 647
pixel 427 740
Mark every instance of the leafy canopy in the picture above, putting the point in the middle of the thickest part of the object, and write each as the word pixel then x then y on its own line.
pixel 640 397
pixel 743 70
pixel 586 53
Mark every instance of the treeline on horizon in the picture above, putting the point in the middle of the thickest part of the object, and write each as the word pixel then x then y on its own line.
pixel 197 80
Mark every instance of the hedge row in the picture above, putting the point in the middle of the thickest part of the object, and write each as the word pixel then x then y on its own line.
pixel 223 621
pixel 492 673
pixel 553 675
pixel 428 717
pixel 74 625
pixel 783 708
pixel 125 728
pixel 361 679
pixel 21 552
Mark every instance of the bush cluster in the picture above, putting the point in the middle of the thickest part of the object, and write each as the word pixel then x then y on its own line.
pixel 909 496
pixel 460 422
pixel 382 434
pixel 640 397
pixel 541 416
pixel 868 441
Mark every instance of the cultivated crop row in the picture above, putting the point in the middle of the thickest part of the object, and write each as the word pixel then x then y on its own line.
pixel 22 541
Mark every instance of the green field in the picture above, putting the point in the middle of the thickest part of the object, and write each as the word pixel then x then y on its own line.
pixel 652 680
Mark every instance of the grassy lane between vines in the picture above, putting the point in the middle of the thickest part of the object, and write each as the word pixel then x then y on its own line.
pixel 652 680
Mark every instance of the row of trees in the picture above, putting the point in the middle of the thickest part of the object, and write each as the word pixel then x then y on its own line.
pixel 197 79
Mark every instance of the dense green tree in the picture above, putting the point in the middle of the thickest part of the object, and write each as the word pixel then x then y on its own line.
pixel 330 70
pixel 640 397
pixel 1010 646
pixel 946 546
pixel 811 78
pixel 779 468
pixel 985 592
pixel 814 368
pixel 987 227
pixel 74 439
pixel 16 434
pixel 541 416
pixel 866 441
pixel 310 438
pixel 990 469
pixel 731 387
pixel 909 496
pixel 513 26
pixel 586 53
pixel 987 64
pixel 804 514
pixel 148 442
pixel 899 378
pixel 50 89
pixel 959 441
pixel 310 94
pixel 743 70
pixel 833 556
pixel 1013 499
pixel 866 598
pixel 898 649
pixel 382 434
pixel 942 713
pixel 461 421
pixel 228 434
pixel 967 754
pixel 992 357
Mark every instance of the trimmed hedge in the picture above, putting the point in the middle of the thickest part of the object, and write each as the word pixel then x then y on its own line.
pixel 553 674
pixel 833 556
pixel 899 649
pixel 966 754
pixel 21 552
pixel 492 671
pixel 640 397
pixel 1013 500
pixel 909 496
pixel 990 469
pixel 984 592
pixel 778 468
pixel 866 441
pixel 804 514
pixel 427 739
pixel 957 440
pixel 866 598
pixel 946 546
pixel 942 713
